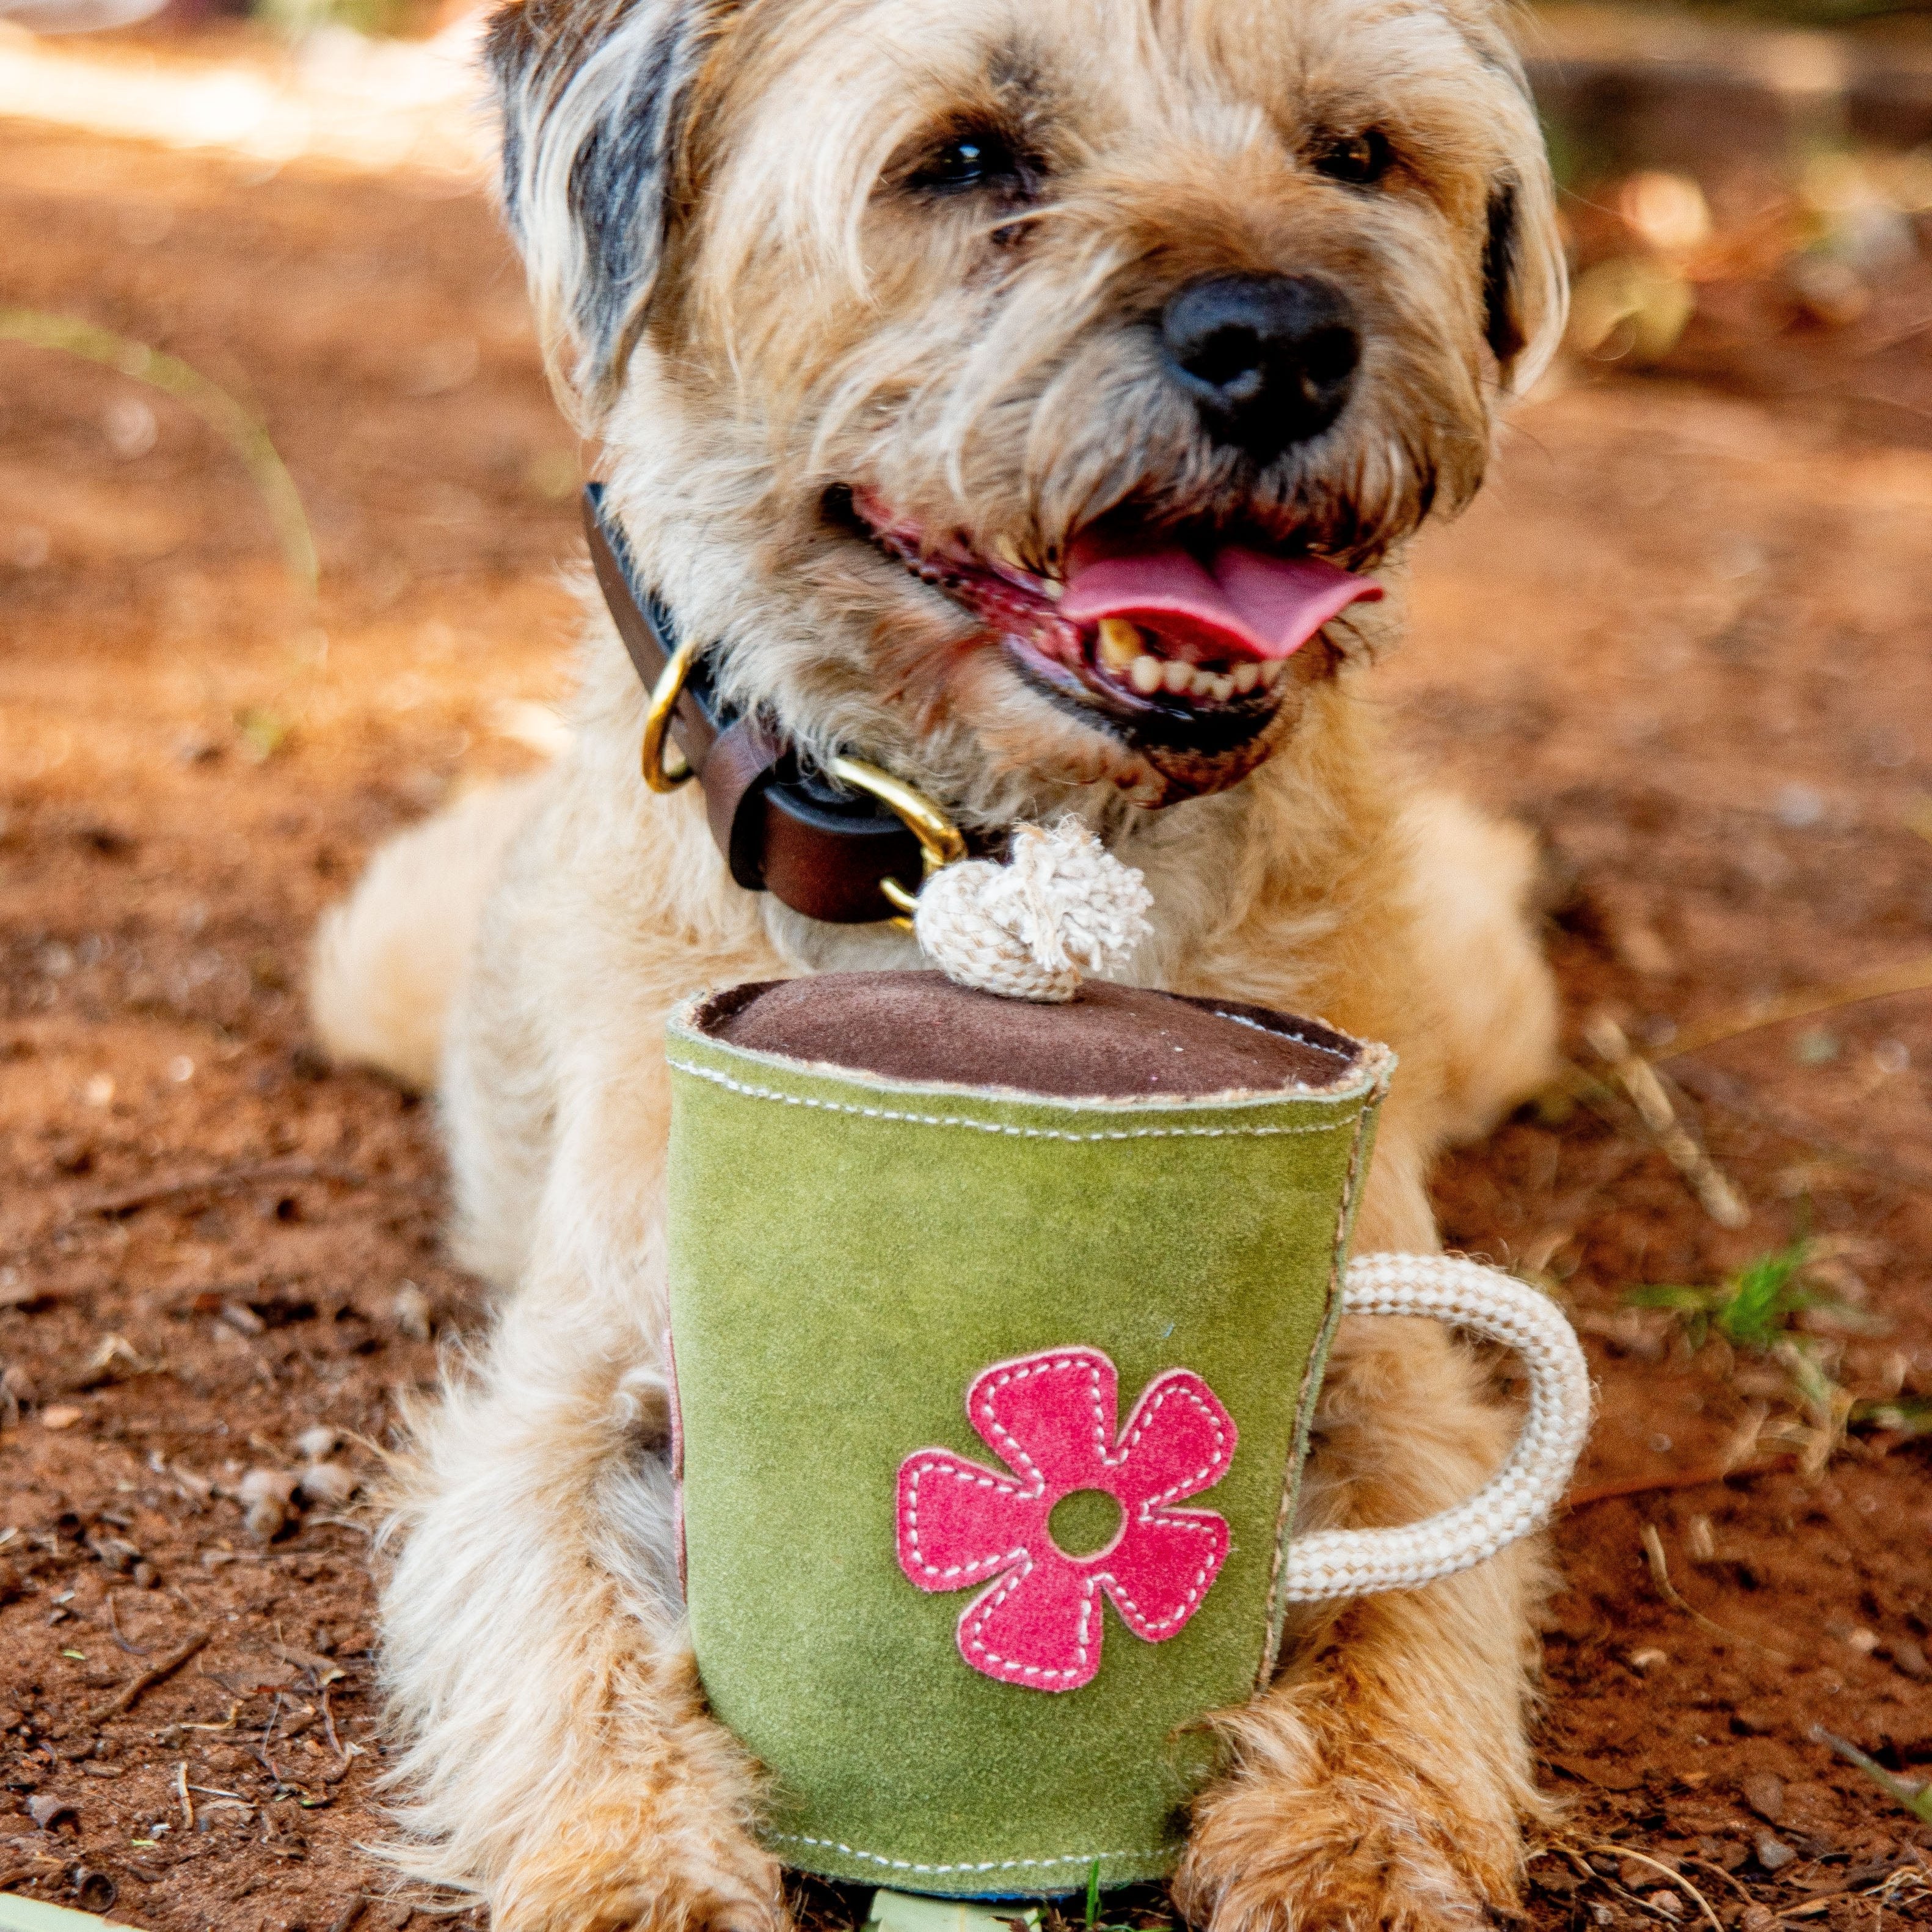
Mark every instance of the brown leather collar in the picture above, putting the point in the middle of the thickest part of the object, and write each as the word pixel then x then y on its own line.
pixel 782 828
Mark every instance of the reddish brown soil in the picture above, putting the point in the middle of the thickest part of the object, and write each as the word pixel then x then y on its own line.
pixel 1683 634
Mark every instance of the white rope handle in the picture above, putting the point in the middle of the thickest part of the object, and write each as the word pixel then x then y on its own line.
pixel 1520 1497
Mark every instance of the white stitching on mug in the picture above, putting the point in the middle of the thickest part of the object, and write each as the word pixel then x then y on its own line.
pixel 990 1865
pixel 718 1079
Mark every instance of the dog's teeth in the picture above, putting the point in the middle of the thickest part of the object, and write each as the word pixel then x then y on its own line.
pixel 1273 671
pixel 1053 587
pixel 1120 644
pixel 1008 552
pixel 1148 673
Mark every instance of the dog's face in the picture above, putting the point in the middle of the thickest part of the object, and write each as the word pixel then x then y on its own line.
pixel 1044 373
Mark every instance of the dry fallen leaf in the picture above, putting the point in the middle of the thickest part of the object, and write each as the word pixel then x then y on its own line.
pixel 265 1496
pixel 329 1484
pixel 258 1483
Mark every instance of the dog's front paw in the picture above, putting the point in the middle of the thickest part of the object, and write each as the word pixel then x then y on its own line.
pixel 615 1865
pixel 1362 1845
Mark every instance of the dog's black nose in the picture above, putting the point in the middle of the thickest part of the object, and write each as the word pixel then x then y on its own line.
pixel 1268 359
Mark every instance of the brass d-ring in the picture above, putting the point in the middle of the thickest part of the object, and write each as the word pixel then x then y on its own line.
pixel 940 841
pixel 658 752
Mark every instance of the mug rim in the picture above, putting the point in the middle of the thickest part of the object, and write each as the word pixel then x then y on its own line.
pixel 692 1050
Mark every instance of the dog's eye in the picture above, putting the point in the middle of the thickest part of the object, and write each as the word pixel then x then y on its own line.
pixel 1356 159
pixel 980 159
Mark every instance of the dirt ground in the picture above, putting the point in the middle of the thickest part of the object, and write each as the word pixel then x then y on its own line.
pixel 1683 634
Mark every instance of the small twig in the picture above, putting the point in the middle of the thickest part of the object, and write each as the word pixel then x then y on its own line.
pixel 227 1723
pixel 1730 1878
pixel 1676 1878
pixel 1627 1896
pixel 1644 1090
pixel 187 1802
pixel 328 1726
pixel 136 1687
pixel 1562 1848
pixel 262 1750
pixel 114 1631
pixel 1660 1575
pixel 1694 1479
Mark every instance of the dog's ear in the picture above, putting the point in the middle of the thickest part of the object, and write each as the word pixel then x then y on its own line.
pixel 1525 280
pixel 595 95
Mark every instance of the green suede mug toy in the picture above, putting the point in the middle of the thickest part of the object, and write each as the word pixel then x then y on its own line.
pixel 998 1328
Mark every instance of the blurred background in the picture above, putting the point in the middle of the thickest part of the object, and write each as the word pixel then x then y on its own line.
pixel 288 555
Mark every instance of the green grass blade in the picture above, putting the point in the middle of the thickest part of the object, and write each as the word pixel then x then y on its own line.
pixel 1917 1798
pixel 213 404
pixel 1767 1294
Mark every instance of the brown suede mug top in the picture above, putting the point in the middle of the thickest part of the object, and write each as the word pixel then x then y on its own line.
pixel 997 1330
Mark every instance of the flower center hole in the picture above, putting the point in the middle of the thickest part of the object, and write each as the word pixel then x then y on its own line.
pixel 1083 1522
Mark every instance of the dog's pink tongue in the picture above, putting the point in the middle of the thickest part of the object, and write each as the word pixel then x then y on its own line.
pixel 1239 604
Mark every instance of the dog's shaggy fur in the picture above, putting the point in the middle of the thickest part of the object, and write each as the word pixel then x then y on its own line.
pixel 772 301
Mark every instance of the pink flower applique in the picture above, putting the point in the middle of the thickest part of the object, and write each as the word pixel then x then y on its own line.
pixel 1050 1417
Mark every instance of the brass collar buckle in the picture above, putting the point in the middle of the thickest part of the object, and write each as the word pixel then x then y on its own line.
pixel 657 752
pixel 665 768
pixel 940 841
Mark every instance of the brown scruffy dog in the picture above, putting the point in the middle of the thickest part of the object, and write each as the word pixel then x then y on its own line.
pixel 893 317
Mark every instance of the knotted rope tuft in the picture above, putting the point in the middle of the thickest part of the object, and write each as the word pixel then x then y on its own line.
pixel 1063 906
